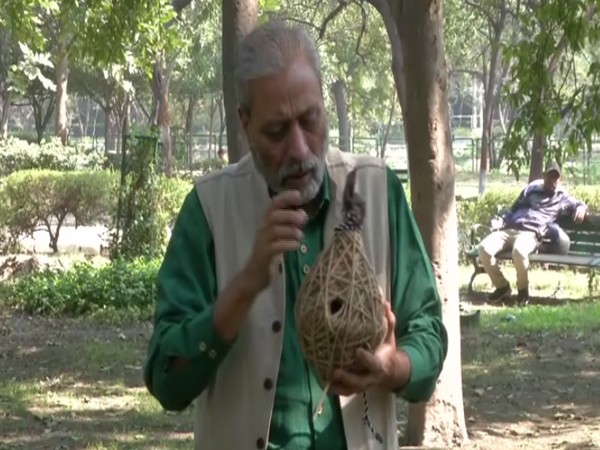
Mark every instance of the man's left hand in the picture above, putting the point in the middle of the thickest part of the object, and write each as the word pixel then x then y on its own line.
pixel 579 214
pixel 386 367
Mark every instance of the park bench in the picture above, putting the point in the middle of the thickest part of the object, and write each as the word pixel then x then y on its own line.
pixel 583 252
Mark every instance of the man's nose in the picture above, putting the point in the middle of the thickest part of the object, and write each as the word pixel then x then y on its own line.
pixel 297 146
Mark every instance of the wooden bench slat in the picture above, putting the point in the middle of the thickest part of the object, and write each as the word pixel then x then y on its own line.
pixel 570 259
pixel 584 247
pixel 584 237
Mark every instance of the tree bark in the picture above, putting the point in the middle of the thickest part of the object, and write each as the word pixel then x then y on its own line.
pixel 238 19
pixel 160 89
pixel 62 78
pixel 189 125
pixel 110 138
pixel 211 124
pixel 222 123
pixel 488 113
pixel 4 114
pixel 427 126
pixel 341 107
pixel 388 126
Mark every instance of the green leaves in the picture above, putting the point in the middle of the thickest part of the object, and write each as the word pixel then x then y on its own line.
pixel 103 32
pixel 86 289
pixel 545 82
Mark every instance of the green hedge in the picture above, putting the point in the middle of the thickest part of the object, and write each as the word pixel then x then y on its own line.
pixel 126 286
pixel 18 154
pixel 30 199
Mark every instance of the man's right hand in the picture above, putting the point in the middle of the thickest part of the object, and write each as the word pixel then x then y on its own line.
pixel 579 214
pixel 280 232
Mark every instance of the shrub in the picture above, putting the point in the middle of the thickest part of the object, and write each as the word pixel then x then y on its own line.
pixel 147 202
pixel 172 192
pixel 33 198
pixel 87 289
pixel 30 199
pixel 18 154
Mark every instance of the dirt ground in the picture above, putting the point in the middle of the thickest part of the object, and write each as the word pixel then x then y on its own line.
pixel 67 384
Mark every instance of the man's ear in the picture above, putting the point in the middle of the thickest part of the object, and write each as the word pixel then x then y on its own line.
pixel 244 118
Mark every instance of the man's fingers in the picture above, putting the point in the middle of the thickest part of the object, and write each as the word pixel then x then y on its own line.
pixel 340 389
pixel 287 217
pixel 286 199
pixel 348 383
pixel 282 232
pixel 367 361
pixel 283 246
pixel 391 323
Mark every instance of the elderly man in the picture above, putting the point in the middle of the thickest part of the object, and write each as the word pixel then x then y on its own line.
pixel 224 331
pixel 522 228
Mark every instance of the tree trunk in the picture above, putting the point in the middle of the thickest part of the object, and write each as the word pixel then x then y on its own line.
pixel 536 168
pixel 211 123
pixel 160 89
pixel 222 123
pixel 110 138
pixel 441 421
pixel 189 126
pixel 239 18
pixel 62 77
pixel 341 107
pixel 491 89
pixel 386 133
pixel 4 114
pixel 43 106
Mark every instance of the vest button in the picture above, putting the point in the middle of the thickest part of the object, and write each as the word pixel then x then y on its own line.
pixel 260 443
pixel 276 327
pixel 268 384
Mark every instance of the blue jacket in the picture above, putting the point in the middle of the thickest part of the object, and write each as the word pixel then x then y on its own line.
pixel 537 208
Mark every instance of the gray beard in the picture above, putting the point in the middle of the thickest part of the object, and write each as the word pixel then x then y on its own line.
pixel 275 181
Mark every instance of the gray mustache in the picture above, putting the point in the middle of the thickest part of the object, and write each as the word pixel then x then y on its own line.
pixel 296 168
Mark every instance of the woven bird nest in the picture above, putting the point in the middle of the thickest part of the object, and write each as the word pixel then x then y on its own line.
pixel 340 306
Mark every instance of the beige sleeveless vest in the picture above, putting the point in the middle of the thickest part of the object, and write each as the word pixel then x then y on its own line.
pixel 234 412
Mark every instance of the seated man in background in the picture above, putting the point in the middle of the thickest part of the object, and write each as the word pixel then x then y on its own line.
pixel 522 228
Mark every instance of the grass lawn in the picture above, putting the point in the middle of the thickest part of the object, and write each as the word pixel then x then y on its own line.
pixel 530 377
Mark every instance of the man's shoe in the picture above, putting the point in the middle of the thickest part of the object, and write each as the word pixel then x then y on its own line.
pixel 523 296
pixel 500 294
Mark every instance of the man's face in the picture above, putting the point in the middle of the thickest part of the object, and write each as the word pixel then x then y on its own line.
pixel 551 180
pixel 287 129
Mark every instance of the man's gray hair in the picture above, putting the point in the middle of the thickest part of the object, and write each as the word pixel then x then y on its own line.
pixel 267 50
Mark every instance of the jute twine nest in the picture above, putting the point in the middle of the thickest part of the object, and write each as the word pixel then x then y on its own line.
pixel 340 307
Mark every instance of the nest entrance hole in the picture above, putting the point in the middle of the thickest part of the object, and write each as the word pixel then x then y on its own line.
pixel 335 305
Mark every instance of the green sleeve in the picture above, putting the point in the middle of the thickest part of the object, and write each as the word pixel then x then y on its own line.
pixel 416 303
pixel 183 322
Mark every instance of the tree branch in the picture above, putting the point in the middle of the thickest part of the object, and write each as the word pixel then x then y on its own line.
pixel 385 11
pixel 475 73
pixel 321 30
pixel 362 32
pixel 332 15
pixel 482 10
pixel 178 5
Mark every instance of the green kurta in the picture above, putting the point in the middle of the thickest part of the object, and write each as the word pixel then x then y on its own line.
pixel 187 289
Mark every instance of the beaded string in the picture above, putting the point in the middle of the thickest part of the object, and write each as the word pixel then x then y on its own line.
pixel 367 421
pixel 354 213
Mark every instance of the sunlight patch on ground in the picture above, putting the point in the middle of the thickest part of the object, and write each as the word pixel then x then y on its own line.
pixel 57 395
